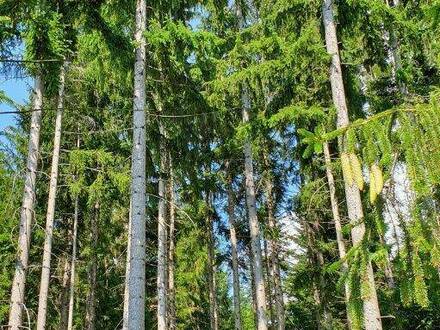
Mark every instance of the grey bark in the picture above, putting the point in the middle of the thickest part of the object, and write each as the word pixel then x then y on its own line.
pixel 372 317
pixel 337 221
pixel 135 319
pixel 234 255
pixel 91 271
pixel 64 299
pixel 50 215
pixel 162 236
pixel 171 252
pixel 26 211
pixel 274 248
pixel 254 226
pixel 73 267
pixel 212 283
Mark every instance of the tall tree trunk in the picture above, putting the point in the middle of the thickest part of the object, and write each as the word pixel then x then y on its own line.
pixel 234 254
pixel 171 251
pixel 316 261
pixel 64 299
pixel 91 271
pixel 50 215
pixel 274 248
pixel 372 318
pixel 253 288
pixel 337 222
pixel 73 267
pixel 135 301
pixel 211 265
pixel 254 226
pixel 162 236
pixel 26 211
pixel 268 281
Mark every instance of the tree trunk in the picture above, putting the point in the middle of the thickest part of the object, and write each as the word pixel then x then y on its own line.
pixel 162 236
pixel 135 301
pixel 171 252
pixel 72 271
pixel 337 221
pixel 91 272
pixel 234 254
pixel 254 226
pixel 26 211
pixel 50 215
pixel 211 265
pixel 274 248
pixel 268 281
pixel 372 318
pixel 64 309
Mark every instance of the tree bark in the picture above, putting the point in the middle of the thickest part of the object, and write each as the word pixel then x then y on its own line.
pixel 254 225
pixel 91 271
pixel 73 267
pixel 171 252
pixel 162 236
pixel 372 317
pixel 274 248
pixel 50 215
pixel 212 283
pixel 135 301
pixel 64 308
pixel 26 211
pixel 337 221
pixel 234 255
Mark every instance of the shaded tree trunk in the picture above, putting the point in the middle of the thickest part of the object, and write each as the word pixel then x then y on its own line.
pixel 171 252
pixel 274 248
pixel 135 318
pixel 337 221
pixel 372 317
pixel 26 211
pixel 64 300
pixel 91 272
pixel 73 267
pixel 254 226
pixel 211 265
pixel 50 215
pixel 268 281
pixel 162 236
pixel 234 254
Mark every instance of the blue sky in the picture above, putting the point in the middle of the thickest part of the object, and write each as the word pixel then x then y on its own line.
pixel 16 89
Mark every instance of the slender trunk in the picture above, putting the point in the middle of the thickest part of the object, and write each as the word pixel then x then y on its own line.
pixel 135 301
pixel 91 272
pixel 268 281
pixel 47 250
pixel 162 237
pixel 64 309
pixel 274 248
pixel 316 261
pixel 337 221
pixel 254 226
pixel 171 252
pixel 372 318
pixel 234 254
pixel 211 266
pixel 26 212
pixel 127 272
pixel 253 289
pixel 388 269
pixel 72 271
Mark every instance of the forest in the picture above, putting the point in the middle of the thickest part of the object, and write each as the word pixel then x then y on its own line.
pixel 220 164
